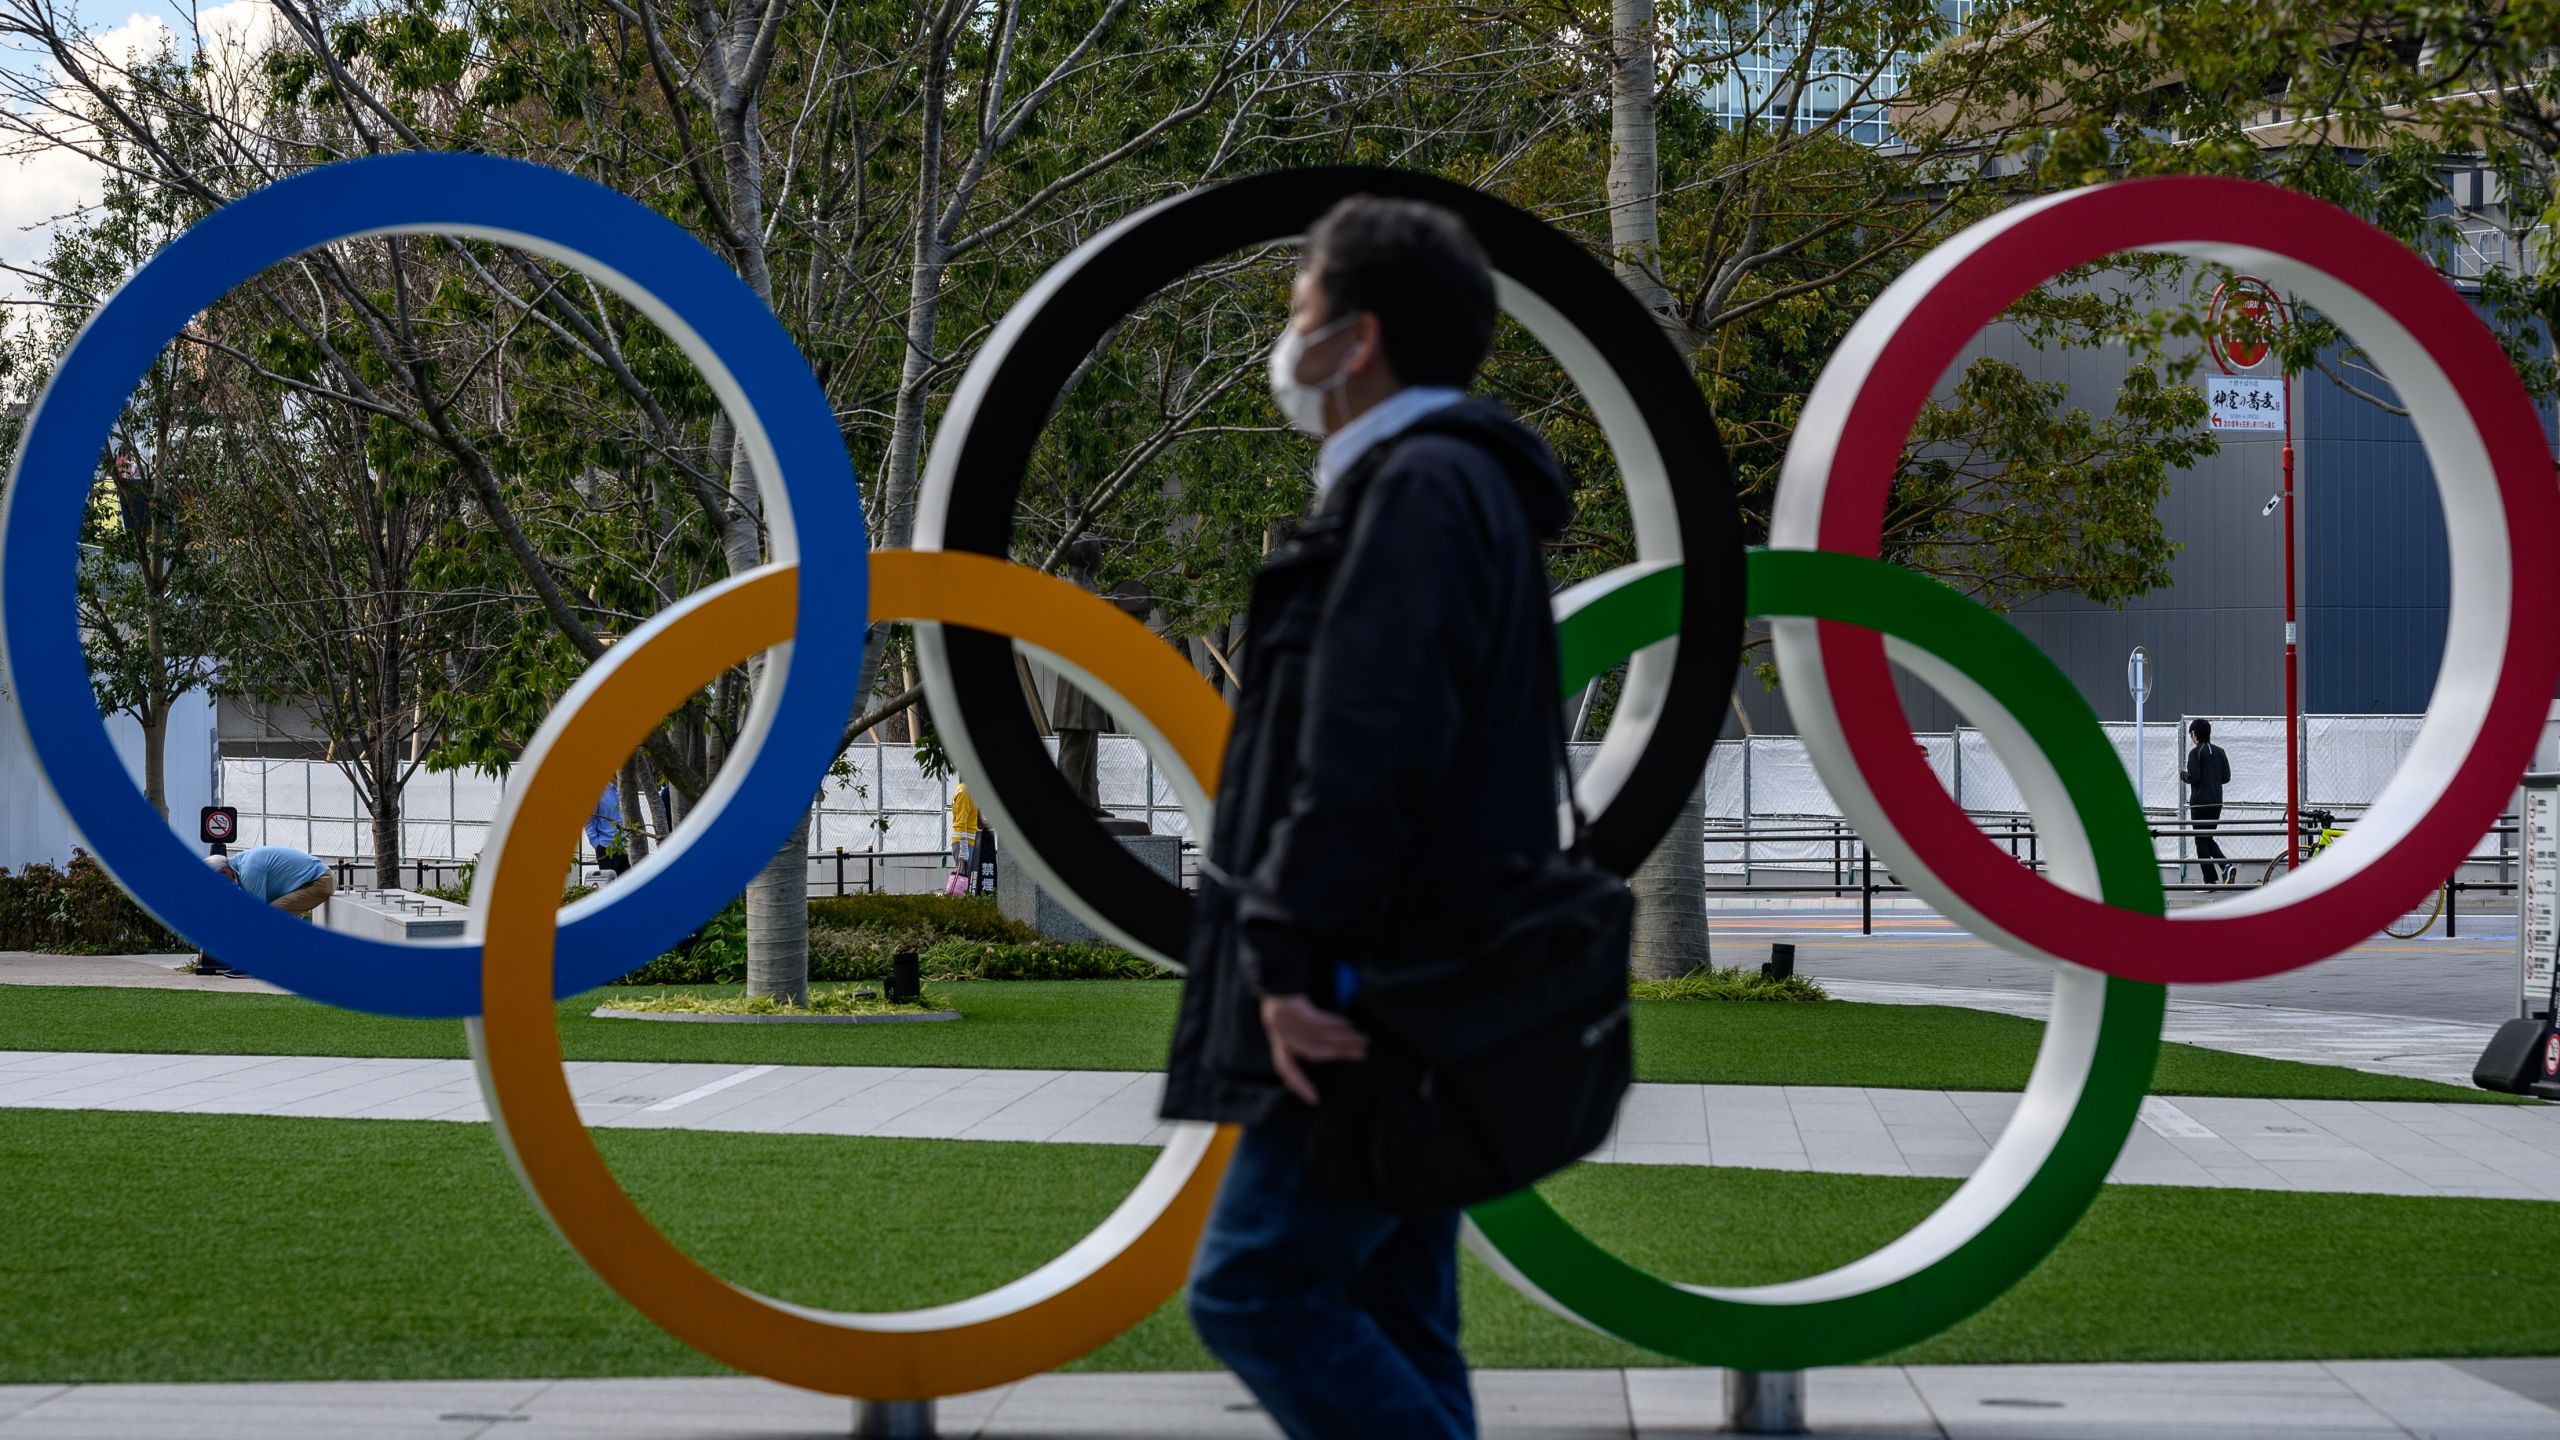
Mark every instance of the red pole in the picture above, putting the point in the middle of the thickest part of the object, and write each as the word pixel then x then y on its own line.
pixel 2292 685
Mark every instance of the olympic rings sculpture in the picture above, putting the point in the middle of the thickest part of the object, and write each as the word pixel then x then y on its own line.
pixel 1837 612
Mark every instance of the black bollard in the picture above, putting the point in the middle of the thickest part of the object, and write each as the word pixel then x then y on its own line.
pixel 905 980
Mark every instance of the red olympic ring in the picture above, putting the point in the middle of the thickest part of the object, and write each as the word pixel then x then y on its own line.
pixel 2494 469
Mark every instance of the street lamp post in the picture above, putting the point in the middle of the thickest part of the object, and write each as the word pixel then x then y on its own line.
pixel 2137 679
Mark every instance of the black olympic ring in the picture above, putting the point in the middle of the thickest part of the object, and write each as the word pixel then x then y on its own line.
pixel 1684 500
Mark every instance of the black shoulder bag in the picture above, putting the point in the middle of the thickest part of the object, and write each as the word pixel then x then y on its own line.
pixel 1495 1066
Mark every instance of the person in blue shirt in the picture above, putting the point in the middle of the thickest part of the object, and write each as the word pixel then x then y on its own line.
pixel 279 875
pixel 604 832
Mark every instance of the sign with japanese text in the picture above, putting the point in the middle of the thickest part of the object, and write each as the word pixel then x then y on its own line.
pixel 2243 402
pixel 2538 930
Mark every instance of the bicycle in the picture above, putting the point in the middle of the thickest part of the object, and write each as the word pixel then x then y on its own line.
pixel 2321 831
pixel 2404 928
pixel 2325 832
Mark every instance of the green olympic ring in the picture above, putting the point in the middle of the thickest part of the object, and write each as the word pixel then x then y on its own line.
pixel 2090 1076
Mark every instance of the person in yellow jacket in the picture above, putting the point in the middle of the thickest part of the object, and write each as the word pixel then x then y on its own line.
pixel 964 834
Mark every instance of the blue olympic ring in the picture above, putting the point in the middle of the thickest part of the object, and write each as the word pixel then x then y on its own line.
pixel 752 366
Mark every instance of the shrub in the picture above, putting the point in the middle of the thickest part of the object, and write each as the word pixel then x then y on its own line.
pixel 459 892
pixel 970 917
pixel 77 910
pixel 839 1001
pixel 716 954
pixel 1712 984
pixel 853 937
pixel 1042 960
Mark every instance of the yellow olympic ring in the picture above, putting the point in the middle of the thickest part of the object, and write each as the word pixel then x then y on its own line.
pixel 1113 1278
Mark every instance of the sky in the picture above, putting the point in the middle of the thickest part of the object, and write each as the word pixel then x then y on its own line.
pixel 37 189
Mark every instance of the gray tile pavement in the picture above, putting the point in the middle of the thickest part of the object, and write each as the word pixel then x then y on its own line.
pixel 134 972
pixel 2389 1398
pixel 2415 1048
pixel 2470 980
pixel 2365 1147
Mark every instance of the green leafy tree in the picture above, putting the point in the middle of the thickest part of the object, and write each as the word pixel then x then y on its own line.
pixel 892 180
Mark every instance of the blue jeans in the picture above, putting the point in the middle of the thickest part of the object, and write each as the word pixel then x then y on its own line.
pixel 1342 1320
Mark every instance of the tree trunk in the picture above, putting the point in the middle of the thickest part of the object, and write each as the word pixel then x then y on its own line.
pixel 778 898
pixel 1671 886
pixel 1671 897
pixel 381 781
pixel 901 469
pixel 1080 763
pixel 1634 169
pixel 155 755
pixel 778 922
pixel 653 795
pixel 635 828
pixel 1076 716
pixel 386 838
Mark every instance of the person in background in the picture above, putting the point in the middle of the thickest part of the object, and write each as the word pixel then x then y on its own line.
pixel 280 876
pixel 604 832
pixel 964 834
pixel 2207 770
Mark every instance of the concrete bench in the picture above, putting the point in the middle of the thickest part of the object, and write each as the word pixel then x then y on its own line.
pixel 393 915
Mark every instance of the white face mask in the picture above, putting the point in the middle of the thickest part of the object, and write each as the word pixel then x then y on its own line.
pixel 1302 404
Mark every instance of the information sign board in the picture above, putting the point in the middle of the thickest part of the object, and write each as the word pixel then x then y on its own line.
pixel 2538 923
pixel 2245 402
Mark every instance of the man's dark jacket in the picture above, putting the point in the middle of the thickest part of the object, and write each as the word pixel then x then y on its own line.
pixel 2207 770
pixel 1394 747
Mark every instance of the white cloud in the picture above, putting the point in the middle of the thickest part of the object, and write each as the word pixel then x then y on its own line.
pixel 43 184
pixel 234 35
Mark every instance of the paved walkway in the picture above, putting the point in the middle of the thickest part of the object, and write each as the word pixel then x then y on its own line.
pixel 2361 1147
pixel 2470 980
pixel 127 972
pixel 2476 1400
pixel 2440 1050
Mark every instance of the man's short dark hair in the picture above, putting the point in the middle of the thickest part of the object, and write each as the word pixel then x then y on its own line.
pixel 2201 729
pixel 1420 271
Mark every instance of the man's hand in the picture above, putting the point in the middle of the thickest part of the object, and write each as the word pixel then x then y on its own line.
pixel 1300 1030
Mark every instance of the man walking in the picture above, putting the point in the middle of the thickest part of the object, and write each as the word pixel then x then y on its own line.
pixel 1399 693
pixel 2206 771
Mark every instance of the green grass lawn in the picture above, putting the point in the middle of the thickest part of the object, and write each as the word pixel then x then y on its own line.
pixel 173 1248
pixel 1124 1025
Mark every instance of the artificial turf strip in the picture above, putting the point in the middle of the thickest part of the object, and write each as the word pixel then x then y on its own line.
pixel 1125 1024
pixel 192 1248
